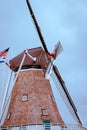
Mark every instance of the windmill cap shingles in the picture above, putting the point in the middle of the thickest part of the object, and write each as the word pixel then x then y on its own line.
pixel 38 53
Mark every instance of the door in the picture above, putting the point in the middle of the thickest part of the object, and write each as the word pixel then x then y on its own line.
pixel 47 125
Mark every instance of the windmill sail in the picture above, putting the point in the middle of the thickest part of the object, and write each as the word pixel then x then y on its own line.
pixel 36 25
pixel 58 49
pixel 60 84
pixel 58 77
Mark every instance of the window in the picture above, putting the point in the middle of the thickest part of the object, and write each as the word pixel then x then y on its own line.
pixel 46 124
pixel 44 112
pixel 25 97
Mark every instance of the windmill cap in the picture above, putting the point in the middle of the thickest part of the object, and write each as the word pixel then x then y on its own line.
pixel 37 53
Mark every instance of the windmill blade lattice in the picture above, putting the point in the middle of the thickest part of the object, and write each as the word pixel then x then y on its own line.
pixel 64 93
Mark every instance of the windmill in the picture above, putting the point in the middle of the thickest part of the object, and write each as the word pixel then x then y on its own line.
pixel 32 102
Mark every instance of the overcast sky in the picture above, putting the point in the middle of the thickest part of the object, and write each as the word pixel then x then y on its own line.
pixel 60 20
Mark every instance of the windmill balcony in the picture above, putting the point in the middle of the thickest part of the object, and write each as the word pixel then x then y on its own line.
pixel 44 127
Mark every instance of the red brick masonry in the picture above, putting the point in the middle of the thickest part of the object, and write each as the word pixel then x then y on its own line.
pixel 40 104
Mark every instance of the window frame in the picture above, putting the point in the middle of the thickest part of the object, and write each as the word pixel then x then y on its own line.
pixel 24 97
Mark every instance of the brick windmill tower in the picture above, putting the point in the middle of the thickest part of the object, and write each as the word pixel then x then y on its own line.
pixel 32 105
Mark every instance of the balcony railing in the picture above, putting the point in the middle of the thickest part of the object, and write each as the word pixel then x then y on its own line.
pixel 42 127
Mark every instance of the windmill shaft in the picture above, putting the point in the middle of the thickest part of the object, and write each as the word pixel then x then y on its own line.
pixel 37 26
